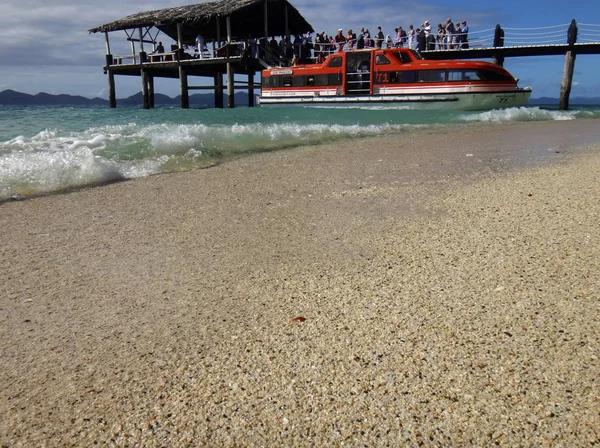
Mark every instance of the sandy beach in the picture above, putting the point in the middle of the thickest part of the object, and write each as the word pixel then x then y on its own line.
pixel 434 288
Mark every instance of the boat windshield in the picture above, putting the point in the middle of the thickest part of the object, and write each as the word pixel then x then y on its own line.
pixel 416 55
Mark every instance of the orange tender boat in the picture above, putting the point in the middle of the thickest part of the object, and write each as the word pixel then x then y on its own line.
pixel 396 77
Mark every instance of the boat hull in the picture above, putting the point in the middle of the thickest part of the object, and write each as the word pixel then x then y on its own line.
pixel 450 101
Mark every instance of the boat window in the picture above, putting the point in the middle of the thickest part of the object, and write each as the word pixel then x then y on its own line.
pixel 476 75
pixel 287 81
pixel 321 80
pixel 310 80
pixel 416 55
pixel 406 77
pixel 402 57
pixel 298 81
pixel 272 81
pixel 431 76
pixel 334 80
pixel 336 62
pixel 381 60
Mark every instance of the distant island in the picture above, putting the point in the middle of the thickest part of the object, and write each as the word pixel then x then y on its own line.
pixel 13 98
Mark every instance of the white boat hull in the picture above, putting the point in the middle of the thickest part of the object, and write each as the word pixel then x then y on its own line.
pixel 450 101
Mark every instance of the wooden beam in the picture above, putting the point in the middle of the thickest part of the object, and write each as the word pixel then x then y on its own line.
pixel 179 36
pixel 131 39
pixel 266 20
pixel 287 28
pixel 107 42
pixel 230 72
pixel 141 41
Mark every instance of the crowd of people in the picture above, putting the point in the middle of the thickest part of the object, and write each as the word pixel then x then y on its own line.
pixel 449 36
pixel 300 48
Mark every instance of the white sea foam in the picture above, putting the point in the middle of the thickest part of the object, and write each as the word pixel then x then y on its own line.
pixel 521 114
pixel 55 159
pixel 51 161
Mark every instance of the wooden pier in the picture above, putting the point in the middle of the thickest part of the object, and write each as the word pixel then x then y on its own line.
pixel 239 32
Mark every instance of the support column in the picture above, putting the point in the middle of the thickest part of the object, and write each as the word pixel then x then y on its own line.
pixel 219 90
pixel 151 90
pixel 251 89
pixel 266 20
pixel 567 79
pixel 145 96
pixel 112 98
pixel 142 52
pixel 183 88
pixel 230 74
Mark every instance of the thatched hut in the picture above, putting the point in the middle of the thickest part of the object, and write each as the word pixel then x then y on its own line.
pixel 247 19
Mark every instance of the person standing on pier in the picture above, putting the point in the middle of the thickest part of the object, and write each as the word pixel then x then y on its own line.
pixel 411 37
pixel 340 40
pixel 465 34
pixel 379 38
pixel 201 45
pixel 450 31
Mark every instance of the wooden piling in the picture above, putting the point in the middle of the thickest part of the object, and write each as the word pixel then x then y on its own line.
pixel 219 90
pixel 112 96
pixel 151 90
pixel 498 42
pixel 145 97
pixel 183 89
pixel 567 78
pixel 230 72
pixel 251 89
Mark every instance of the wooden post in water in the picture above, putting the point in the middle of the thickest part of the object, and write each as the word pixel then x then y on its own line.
pixel 567 79
pixel 151 90
pixel 184 95
pixel 145 97
pixel 251 89
pixel 230 80
pixel 144 72
pixel 184 98
pixel 219 90
pixel 498 42
pixel 112 98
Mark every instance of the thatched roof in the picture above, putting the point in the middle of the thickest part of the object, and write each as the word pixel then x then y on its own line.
pixel 247 19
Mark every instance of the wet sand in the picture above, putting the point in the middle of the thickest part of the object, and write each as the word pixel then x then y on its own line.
pixel 434 288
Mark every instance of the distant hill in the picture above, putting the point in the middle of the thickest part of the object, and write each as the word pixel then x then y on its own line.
pixel 10 97
pixel 13 98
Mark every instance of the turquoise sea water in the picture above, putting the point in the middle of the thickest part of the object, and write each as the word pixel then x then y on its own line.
pixel 49 149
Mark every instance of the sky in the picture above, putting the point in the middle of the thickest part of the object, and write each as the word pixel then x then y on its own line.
pixel 45 45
